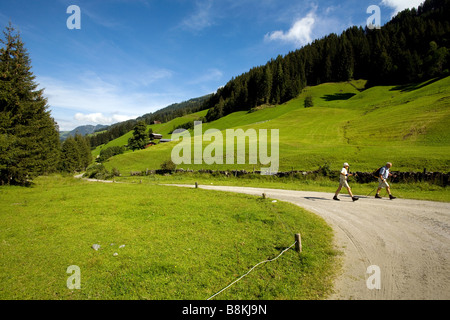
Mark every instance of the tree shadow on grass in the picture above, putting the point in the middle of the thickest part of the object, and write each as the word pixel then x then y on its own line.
pixel 338 96
pixel 414 86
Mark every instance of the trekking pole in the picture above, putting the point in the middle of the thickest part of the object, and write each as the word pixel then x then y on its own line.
pixel 371 191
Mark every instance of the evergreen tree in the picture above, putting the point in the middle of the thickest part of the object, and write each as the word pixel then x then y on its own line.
pixel 278 88
pixel 84 151
pixel 266 85
pixel 150 134
pixel 140 138
pixel 346 61
pixel 435 60
pixel 70 156
pixel 29 138
pixel 220 108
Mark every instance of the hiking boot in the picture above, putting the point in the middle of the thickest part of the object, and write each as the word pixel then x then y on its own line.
pixel 377 196
pixel 355 199
pixel 392 197
pixel 336 198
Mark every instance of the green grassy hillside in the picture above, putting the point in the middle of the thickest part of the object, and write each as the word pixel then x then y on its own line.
pixel 163 129
pixel 407 125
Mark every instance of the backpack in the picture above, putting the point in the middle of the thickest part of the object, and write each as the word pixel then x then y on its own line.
pixel 376 173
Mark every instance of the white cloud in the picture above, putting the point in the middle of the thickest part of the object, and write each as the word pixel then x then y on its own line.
pixel 299 34
pixel 99 118
pixel 400 5
pixel 330 9
pixel 202 18
pixel 91 99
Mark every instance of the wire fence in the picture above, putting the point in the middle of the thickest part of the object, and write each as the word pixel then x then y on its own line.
pixel 243 276
pixel 286 226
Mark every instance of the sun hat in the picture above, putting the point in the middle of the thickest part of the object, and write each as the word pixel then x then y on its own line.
pixel 346 165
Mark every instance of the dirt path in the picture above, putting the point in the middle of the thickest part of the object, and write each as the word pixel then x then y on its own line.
pixel 80 176
pixel 409 240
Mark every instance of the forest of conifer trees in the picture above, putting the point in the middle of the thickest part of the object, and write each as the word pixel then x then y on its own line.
pixel 413 46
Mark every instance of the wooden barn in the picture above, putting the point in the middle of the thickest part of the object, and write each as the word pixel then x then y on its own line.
pixel 156 136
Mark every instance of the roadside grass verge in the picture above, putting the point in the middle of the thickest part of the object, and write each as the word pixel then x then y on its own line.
pixel 410 190
pixel 180 244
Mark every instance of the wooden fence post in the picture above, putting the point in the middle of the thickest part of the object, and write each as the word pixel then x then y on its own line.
pixel 298 244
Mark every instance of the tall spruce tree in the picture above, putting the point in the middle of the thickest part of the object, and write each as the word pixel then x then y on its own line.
pixel 75 154
pixel 70 156
pixel 140 138
pixel 84 150
pixel 29 138
pixel 266 84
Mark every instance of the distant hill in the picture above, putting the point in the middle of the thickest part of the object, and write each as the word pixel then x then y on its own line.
pixel 349 122
pixel 83 130
pixel 176 110
pixel 164 115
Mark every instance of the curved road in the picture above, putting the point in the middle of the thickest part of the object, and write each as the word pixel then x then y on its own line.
pixel 409 240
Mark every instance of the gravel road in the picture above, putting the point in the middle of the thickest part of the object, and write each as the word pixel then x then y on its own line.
pixel 409 240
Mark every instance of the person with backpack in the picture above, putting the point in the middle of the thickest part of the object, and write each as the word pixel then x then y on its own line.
pixel 383 174
pixel 343 177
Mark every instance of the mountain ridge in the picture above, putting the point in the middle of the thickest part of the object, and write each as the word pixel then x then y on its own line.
pixel 83 130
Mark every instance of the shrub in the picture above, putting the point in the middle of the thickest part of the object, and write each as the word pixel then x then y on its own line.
pixel 98 171
pixel 325 170
pixel 168 165
pixel 115 172
pixel 309 102
pixel 107 153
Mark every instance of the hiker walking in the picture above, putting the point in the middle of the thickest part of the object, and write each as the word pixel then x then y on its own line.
pixel 383 175
pixel 343 177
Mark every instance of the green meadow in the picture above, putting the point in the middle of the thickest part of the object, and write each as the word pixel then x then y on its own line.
pixel 406 125
pixel 158 243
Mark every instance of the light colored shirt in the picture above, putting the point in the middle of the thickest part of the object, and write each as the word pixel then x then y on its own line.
pixel 344 173
pixel 384 172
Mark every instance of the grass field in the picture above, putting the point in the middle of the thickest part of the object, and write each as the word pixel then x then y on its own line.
pixel 418 190
pixel 179 243
pixel 183 244
pixel 407 125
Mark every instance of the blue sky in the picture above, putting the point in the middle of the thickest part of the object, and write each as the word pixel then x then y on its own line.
pixel 132 57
